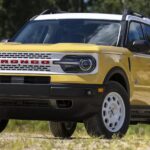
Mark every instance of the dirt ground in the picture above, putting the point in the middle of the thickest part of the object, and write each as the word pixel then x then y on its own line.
pixel 80 141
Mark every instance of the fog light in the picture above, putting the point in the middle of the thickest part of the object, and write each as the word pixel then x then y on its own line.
pixel 100 90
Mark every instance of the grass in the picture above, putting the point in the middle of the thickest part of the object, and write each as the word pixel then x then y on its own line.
pixel 27 126
pixel 35 135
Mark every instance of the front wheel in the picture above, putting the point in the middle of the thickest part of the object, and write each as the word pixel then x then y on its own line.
pixel 62 129
pixel 114 113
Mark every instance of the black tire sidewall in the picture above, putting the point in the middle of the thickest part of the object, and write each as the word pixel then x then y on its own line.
pixel 59 129
pixel 69 132
pixel 3 124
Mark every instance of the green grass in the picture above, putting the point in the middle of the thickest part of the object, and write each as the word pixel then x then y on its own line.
pixel 27 126
pixel 35 135
pixel 43 126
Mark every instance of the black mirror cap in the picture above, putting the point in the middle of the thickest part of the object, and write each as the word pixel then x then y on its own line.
pixel 141 45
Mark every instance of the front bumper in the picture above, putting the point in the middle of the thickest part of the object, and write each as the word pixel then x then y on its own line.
pixel 57 102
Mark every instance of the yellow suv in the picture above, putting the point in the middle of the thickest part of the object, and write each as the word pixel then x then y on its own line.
pixel 78 67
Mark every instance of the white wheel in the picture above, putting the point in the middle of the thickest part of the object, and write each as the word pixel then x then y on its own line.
pixel 113 117
pixel 113 112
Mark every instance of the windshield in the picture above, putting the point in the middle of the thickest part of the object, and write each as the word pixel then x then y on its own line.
pixel 69 31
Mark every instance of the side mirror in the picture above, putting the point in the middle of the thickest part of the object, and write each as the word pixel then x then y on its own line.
pixel 5 40
pixel 141 45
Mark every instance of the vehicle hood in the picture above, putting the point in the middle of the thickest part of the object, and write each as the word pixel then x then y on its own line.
pixel 61 47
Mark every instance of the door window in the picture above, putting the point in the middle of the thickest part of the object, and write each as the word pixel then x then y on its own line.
pixel 147 31
pixel 135 33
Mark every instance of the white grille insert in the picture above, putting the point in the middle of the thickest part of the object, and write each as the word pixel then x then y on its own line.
pixel 27 62
pixel 35 62
pixel 26 55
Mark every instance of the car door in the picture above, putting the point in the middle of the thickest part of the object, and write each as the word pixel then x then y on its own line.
pixel 140 66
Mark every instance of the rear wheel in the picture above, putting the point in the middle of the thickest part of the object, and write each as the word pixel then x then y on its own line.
pixel 62 129
pixel 3 124
pixel 114 113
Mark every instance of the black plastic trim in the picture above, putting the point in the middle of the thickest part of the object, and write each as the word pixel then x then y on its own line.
pixel 129 64
pixel 118 70
pixel 140 114
pixel 70 102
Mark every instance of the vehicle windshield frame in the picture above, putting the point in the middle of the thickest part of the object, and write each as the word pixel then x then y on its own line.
pixel 31 21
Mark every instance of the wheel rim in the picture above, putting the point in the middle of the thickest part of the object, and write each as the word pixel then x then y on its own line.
pixel 113 112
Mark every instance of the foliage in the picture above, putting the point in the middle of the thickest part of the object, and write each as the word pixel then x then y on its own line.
pixel 14 13
pixel 27 126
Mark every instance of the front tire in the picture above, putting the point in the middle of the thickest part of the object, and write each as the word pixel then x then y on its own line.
pixel 114 113
pixel 62 129
pixel 3 124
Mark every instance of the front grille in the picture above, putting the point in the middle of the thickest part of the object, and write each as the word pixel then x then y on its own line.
pixel 40 63
pixel 25 68
pixel 26 62
pixel 29 55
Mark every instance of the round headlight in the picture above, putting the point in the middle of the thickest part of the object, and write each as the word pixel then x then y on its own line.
pixel 77 64
pixel 86 64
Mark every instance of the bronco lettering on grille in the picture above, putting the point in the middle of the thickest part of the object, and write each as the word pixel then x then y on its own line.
pixel 28 62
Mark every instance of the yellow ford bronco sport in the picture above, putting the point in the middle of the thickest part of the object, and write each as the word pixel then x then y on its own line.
pixel 78 67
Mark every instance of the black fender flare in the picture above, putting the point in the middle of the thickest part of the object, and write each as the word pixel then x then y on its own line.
pixel 120 71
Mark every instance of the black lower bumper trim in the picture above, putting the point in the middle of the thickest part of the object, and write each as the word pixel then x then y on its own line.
pixel 73 102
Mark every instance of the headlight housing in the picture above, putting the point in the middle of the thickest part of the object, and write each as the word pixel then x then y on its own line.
pixel 77 64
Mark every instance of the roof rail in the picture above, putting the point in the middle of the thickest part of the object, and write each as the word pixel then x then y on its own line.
pixel 51 11
pixel 130 12
pixel 33 17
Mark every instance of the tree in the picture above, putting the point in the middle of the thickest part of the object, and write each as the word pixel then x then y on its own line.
pixel 140 6
pixel 107 6
pixel 14 13
pixel 117 6
pixel 70 5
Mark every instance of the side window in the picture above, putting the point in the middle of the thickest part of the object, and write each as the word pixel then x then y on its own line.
pixel 147 31
pixel 135 33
